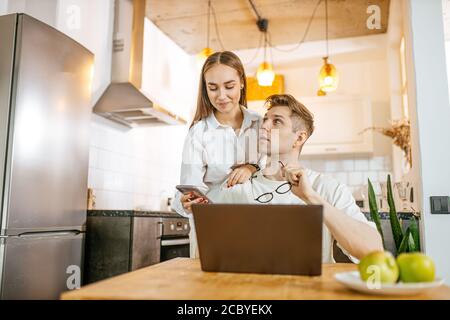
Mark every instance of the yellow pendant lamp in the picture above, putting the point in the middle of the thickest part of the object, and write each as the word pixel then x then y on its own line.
pixel 328 76
pixel 264 74
pixel 207 51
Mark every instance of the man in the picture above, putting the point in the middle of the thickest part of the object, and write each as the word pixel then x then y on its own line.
pixel 286 127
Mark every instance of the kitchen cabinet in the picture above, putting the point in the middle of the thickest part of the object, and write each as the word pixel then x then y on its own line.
pixel 119 241
pixel 119 244
pixel 339 122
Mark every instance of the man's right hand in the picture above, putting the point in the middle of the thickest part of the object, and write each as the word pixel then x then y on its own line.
pixel 187 200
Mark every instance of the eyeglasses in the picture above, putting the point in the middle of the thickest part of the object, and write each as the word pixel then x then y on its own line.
pixel 268 196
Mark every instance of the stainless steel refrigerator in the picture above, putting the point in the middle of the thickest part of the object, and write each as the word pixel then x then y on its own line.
pixel 45 92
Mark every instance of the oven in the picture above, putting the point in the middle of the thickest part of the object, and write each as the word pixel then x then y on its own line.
pixel 174 238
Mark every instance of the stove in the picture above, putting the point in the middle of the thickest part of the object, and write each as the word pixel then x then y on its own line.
pixel 174 238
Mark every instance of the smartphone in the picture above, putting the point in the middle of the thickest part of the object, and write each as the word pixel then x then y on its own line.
pixel 185 189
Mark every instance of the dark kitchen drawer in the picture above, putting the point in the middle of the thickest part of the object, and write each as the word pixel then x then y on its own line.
pixel 115 245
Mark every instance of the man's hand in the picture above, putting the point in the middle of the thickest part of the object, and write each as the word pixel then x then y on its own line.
pixel 240 175
pixel 301 187
pixel 187 200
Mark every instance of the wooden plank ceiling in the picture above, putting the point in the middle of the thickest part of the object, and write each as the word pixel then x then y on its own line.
pixel 185 21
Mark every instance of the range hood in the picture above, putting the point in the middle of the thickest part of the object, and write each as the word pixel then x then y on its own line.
pixel 123 100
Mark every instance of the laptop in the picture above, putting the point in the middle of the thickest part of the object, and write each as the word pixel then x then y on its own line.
pixel 249 238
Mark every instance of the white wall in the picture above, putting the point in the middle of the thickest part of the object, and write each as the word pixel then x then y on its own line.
pixel 3 7
pixel 394 34
pixel 136 168
pixel 430 116
pixel 169 75
pixel 44 10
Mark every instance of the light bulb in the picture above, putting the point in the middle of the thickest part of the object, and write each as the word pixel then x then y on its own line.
pixel 265 74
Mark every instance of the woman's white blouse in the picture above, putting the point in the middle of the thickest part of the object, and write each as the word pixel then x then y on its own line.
pixel 211 149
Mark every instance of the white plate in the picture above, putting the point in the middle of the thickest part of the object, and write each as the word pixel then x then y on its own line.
pixel 353 281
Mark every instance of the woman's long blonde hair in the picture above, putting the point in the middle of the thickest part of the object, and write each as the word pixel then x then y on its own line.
pixel 204 105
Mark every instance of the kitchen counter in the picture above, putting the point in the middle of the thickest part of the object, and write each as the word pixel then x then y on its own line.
pixel 119 241
pixel 132 213
pixel 182 278
pixel 385 215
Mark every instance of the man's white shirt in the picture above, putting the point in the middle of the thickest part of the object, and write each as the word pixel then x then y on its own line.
pixel 335 193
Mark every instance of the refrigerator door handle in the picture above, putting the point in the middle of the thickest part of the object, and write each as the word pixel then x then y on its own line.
pixel 49 234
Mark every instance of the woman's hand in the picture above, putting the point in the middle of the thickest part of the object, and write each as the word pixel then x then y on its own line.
pixel 240 175
pixel 187 200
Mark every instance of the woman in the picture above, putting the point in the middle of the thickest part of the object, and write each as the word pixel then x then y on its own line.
pixel 221 145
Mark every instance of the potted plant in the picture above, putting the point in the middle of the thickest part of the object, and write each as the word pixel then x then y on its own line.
pixel 407 241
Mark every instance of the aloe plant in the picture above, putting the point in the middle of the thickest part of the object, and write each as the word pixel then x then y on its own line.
pixel 393 218
pixel 407 241
pixel 374 211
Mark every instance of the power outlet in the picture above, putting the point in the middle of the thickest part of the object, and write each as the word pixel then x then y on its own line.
pixel 440 205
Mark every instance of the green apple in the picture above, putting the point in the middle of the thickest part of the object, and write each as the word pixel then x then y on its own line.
pixel 415 267
pixel 378 266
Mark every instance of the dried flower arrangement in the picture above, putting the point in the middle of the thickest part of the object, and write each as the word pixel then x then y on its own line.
pixel 400 133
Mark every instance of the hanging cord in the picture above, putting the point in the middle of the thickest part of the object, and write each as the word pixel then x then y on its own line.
pixel 256 52
pixel 265 46
pixel 211 7
pixel 271 56
pixel 254 10
pixel 302 40
pixel 217 28
pixel 326 22
pixel 207 27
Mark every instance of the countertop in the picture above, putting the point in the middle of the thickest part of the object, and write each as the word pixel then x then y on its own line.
pixel 182 278
pixel 385 215
pixel 172 214
pixel 132 213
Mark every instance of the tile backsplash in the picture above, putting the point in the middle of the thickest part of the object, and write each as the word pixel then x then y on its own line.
pixel 133 169
pixel 353 172
pixel 140 168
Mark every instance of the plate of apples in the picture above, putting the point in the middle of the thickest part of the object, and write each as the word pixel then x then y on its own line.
pixel 379 273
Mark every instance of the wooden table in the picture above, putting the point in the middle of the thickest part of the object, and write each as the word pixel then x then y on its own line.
pixel 182 278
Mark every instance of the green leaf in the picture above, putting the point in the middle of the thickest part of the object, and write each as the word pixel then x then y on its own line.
pixel 414 228
pixel 404 243
pixel 395 223
pixel 411 243
pixel 374 211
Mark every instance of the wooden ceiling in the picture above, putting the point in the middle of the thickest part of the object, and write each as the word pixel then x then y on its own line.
pixel 185 21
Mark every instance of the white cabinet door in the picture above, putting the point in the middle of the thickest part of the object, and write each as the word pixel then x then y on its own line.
pixel 339 122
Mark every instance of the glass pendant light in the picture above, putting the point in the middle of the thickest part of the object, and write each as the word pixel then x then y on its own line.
pixel 265 74
pixel 328 76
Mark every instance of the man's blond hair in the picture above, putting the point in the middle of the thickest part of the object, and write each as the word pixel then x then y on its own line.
pixel 301 116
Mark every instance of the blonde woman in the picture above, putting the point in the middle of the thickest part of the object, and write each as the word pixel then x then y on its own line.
pixel 221 145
